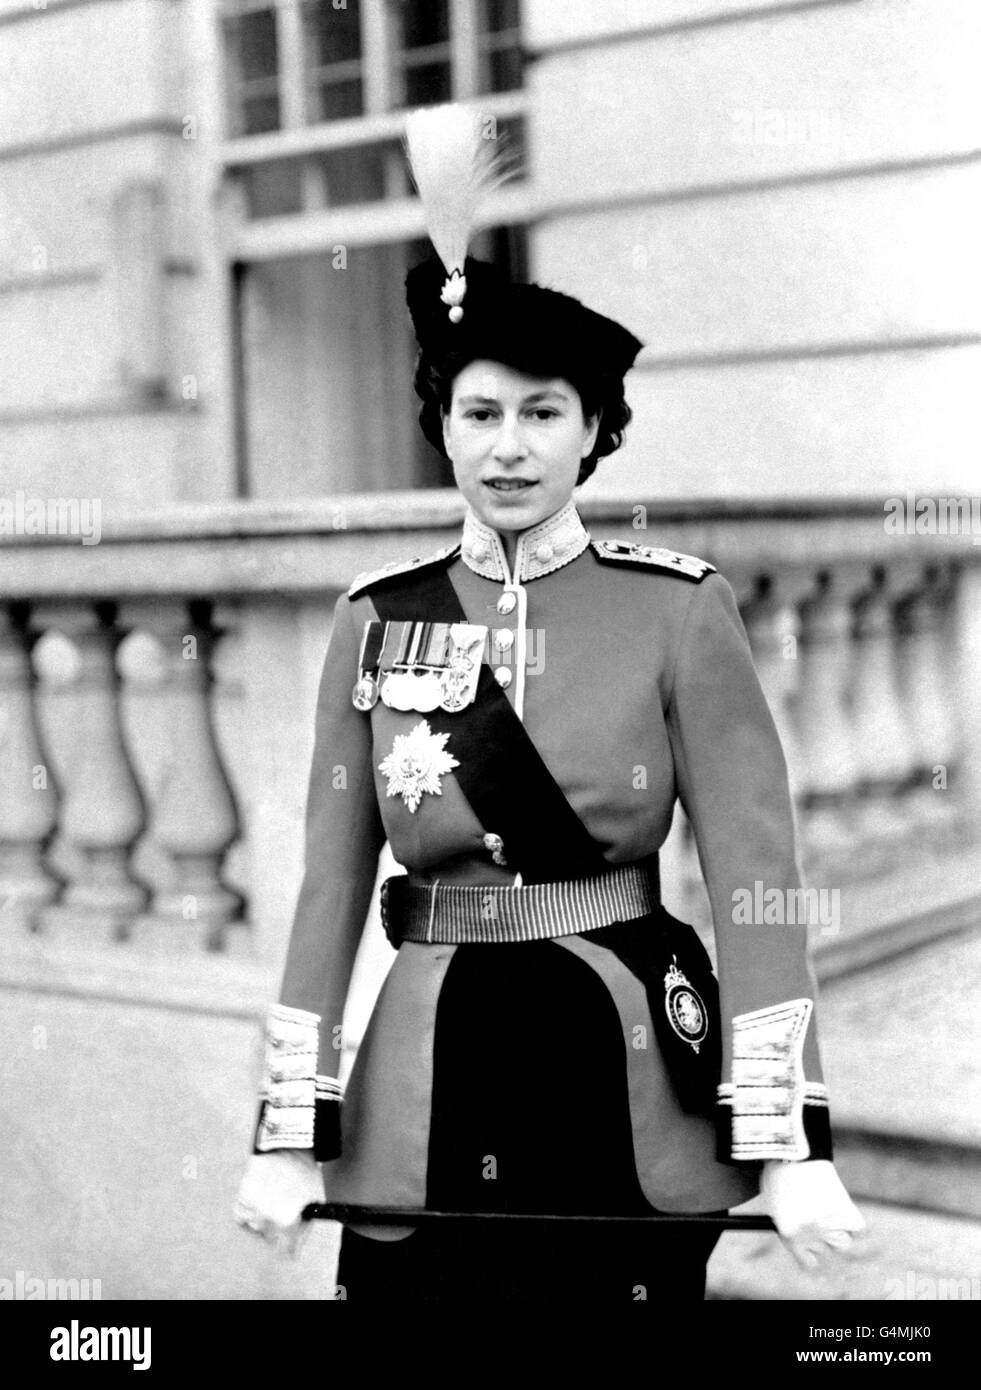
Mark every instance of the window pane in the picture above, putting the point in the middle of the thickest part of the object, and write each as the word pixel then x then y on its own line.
pixel 500 70
pixel 251 62
pixel 333 101
pixel 250 42
pixel 495 15
pixel 427 84
pixel 327 356
pixel 506 247
pixel 256 115
pixel 334 36
pixel 273 189
pixel 423 22
pixel 359 175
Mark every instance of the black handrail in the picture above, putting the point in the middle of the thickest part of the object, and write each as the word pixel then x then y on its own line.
pixel 418 1216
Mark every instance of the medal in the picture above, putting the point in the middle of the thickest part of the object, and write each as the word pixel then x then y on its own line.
pixel 396 691
pixel 458 682
pixel 454 690
pixel 420 666
pixel 364 696
pixel 425 690
pixel 416 764
pixel 466 639
pixel 684 1007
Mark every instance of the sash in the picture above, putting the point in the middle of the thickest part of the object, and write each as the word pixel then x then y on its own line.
pixel 501 772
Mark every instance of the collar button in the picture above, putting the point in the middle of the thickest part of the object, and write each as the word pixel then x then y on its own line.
pixel 544 553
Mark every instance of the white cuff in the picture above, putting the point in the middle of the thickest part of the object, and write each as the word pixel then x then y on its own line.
pixel 768 1090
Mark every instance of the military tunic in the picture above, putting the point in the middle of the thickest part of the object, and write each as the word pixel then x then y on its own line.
pixel 630 670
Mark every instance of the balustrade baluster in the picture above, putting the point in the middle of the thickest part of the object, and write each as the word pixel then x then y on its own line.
pixel 193 817
pixel 28 802
pixel 924 667
pixel 824 728
pixel 102 814
pixel 773 625
pixel 883 741
pixel 961 639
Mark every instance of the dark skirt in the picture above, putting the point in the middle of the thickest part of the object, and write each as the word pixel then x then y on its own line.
pixel 530 1113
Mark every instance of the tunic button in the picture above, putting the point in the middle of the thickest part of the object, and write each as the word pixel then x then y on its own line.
pixel 504 639
pixel 545 553
pixel 506 603
pixel 495 845
pixel 503 677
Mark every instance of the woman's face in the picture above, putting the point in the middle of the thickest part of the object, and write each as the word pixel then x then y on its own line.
pixel 516 443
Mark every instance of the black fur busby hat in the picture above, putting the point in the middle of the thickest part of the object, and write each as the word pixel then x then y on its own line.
pixel 463 308
pixel 525 326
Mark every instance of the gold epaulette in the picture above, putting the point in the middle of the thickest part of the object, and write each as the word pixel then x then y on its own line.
pixel 652 557
pixel 367 578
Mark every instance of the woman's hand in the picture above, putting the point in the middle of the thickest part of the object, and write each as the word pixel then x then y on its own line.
pixel 274 1191
pixel 810 1209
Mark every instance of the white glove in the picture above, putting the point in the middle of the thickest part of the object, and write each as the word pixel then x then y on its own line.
pixel 275 1189
pixel 810 1209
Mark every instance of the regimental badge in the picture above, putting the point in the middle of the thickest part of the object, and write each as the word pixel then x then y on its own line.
pixel 416 764
pixel 684 1007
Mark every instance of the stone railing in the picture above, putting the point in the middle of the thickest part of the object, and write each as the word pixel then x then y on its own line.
pixel 157 688
pixel 868 644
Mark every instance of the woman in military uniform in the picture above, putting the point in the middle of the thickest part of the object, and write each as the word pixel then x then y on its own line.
pixel 517 716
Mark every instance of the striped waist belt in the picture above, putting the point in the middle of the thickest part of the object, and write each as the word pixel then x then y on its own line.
pixel 442 913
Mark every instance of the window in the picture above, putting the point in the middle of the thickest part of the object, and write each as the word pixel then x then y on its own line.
pixel 499 46
pixel 252 67
pixel 316 92
pixel 423 54
pixel 301 62
pixel 333 60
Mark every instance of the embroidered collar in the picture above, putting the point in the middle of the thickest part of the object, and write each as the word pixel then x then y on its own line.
pixel 541 549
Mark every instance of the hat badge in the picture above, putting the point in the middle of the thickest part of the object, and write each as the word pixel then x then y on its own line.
pixel 452 293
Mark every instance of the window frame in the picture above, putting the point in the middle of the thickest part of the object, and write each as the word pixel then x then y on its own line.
pixel 398 216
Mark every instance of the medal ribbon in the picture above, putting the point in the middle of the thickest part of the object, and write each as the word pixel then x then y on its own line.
pixel 372 646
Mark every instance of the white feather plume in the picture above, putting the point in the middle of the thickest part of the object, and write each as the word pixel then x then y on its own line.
pixel 454 166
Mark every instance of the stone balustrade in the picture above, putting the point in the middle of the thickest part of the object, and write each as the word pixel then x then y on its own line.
pixel 156 700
